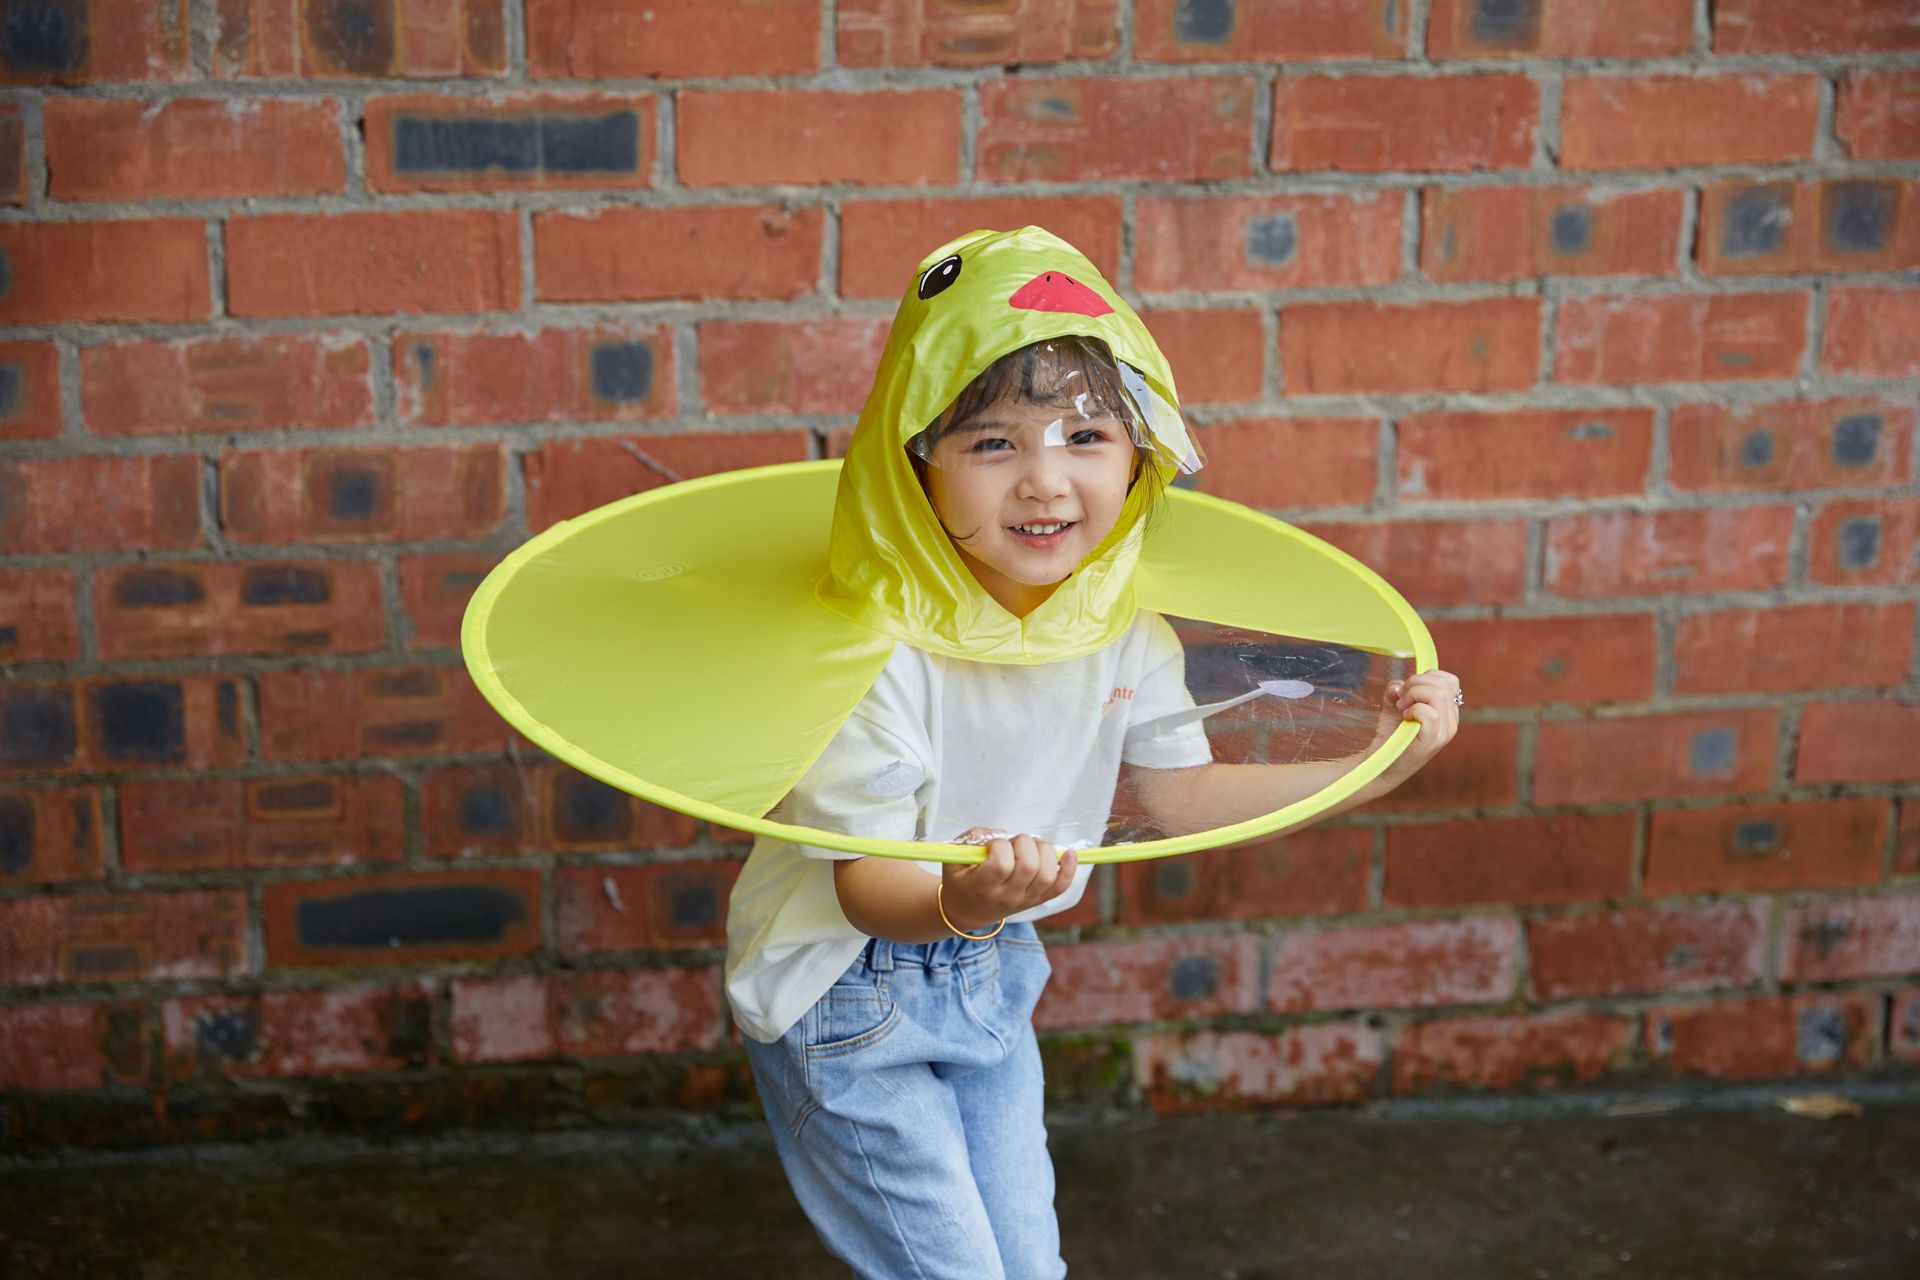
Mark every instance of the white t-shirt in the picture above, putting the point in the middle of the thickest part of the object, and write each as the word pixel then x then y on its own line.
pixel 937 746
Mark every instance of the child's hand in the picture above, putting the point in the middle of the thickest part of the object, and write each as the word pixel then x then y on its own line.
pixel 1428 698
pixel 1019 873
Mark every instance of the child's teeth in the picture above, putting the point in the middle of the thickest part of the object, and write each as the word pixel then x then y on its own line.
pixel 1041 530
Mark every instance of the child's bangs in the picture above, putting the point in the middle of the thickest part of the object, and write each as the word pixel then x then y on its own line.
pixel 1052 371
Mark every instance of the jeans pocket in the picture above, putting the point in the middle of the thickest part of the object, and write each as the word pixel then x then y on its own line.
pixel 849 1018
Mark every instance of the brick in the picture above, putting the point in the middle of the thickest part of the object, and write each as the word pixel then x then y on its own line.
pixel 1647 949
pixel 1335 348
pixel 122 503
pixel 192 148
pixel 664 906
pixel 1865 541
pixel 1220 352
pixel 155 609
pixel 1877 116
pixel 882 241
pixel 100 41
pixel 605 373
pixel 1087 130
pixel 1792 647
pixel 1446 124
pixel 1680 338
pixel 1766 848
pixel 489 810
pixel 37 618
pixel 1327 1062
pixel 1319 871
pixel 906 33
pixel 13 155
pixel 1519 662
pixel 618 39
pixel 757 137
pixel 1873 332
pixel 434 592
pixel 97 272
pixel 277 1034
pixel 360 495
pixel 78 1045
pixel 408 38
pixel 1534 1051
pixel 1903 1026
pixel 1477 771
pixel 1850 938
pixel 567 477
pixel 1764 1036
pixel 1113 983
pixel 50 834
pixel 1516 233
pixel 299 264
pixel 586 1015
pixel 237 383
pixel 1517 861
pixel 1533 453
pixel 1858 742
pixel 1275 31
pixel 1652 757
pixel 1434 563
pixel 29 391
pixel 399 711
pixel 822 364
pixel 1267 242
pixel 1906 853
pixel 105 724
pixel 1559 29
pixel 1790 444
pixel 1291 462
pixel 122 937
pixel 638 255
pixel 1401 965
pixel 236 824
pixel 1813 26
pixel 538 142
pixel 402 919
pixel 1633 553
pixel 1852 224
pixel 1667 122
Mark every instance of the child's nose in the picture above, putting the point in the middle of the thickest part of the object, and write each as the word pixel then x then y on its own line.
pixel 1045 474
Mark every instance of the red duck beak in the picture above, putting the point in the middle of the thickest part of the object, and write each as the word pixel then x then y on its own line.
pixel 1058 291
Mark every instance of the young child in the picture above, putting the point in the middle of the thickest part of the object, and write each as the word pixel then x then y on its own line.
pixel 887 1005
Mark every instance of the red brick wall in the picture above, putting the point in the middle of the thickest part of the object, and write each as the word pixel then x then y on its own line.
pixel 1593 327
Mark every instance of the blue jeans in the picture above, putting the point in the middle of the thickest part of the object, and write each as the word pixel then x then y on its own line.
pixel 906 1107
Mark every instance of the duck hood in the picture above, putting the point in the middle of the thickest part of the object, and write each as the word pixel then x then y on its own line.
pixel 892 566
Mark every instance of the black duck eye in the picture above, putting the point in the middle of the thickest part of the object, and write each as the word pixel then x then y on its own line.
pixel 939 276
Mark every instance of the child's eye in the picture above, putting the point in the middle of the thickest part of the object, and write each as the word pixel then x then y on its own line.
pixel 1088 436
pixel 990 444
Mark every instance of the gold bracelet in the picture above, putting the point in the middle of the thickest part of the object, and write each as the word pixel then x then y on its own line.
pixel 942 908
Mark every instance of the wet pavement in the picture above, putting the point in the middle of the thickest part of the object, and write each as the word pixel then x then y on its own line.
pixel 1722 1185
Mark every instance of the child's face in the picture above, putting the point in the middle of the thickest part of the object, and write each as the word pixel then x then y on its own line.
pixel 1026 494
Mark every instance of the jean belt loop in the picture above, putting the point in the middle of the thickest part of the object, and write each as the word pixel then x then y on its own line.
pixel 880 955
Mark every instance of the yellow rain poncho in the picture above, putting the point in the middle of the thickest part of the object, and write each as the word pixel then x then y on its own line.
pixel 700 644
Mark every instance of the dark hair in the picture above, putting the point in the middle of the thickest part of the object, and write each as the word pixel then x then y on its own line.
pixel 1036 372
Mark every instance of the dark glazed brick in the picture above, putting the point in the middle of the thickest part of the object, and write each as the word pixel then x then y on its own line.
pixel 485 810
pixel 1860 543
pixel 230 1036
pixel 546 144
pixel 352 35
pixel 693 906
pixel 1272 239
pixel 1203 21
pixel 407 1024
pixel 36 727
pixel 1172 878
pixel 16 834
pixel 158 588
pixel 1194 977
pixel 1856 439
pixel 141 722
pixel 12 377
pixel 1822 1036
pixel 1755 221
pixel 405 684
pixel 1757 449
pixel 1856 217
pixel 428 916
pixel 44 37
pixel 1572 230
pixel 1713 752
pixel 226 707
pixel 1506 24
pixel 586 809
pixel 285 584
pixel 353 493
pixel 622 371
pixel 297 797
pixel 1760 836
